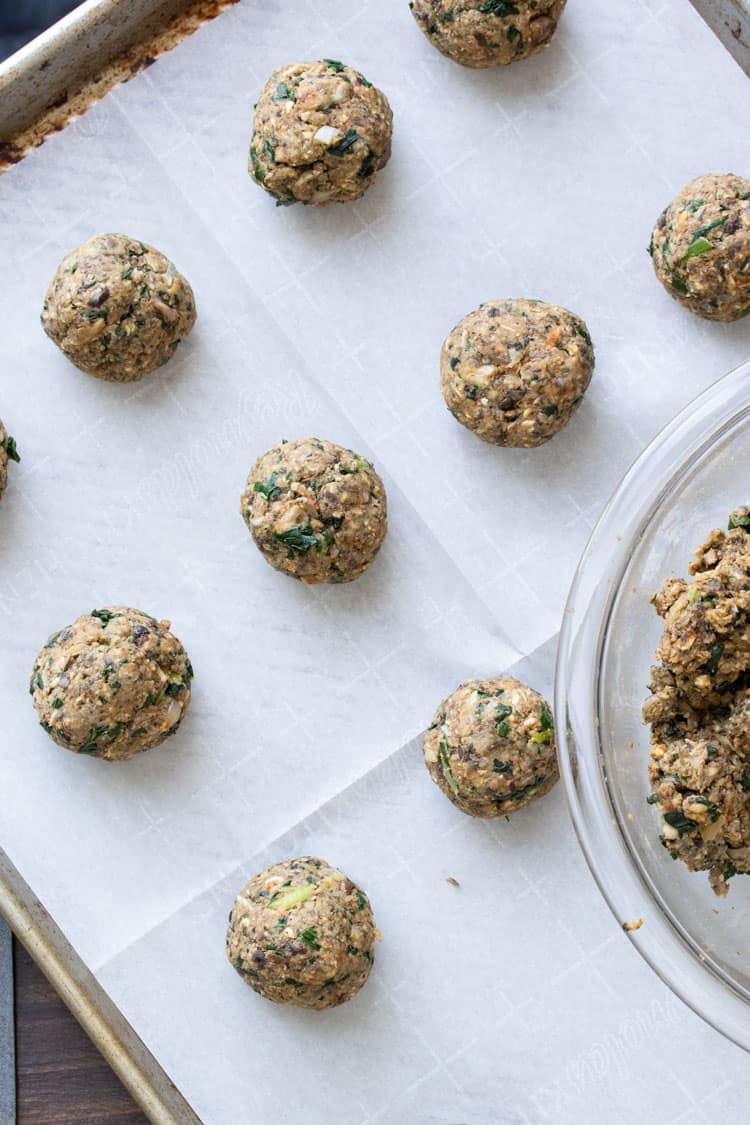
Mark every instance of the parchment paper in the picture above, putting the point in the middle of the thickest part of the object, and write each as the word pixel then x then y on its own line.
pixel 515 997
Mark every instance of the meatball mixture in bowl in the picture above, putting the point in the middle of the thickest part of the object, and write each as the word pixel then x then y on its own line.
pixel 699 709
pixel 321 134
pixel 316 511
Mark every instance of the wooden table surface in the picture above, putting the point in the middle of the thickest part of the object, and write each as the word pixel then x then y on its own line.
pixel 62 1078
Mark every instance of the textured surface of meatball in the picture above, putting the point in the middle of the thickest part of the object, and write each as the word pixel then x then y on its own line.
pixel 514 371
pixel 302 933
pixel 700 247
pixel 699 709
pixel 112 684
pixel 321 133
pixel 705 643
pixel 480 33
pixel 117 308
pixel 316 511
pixel 8 452
pixel 491 747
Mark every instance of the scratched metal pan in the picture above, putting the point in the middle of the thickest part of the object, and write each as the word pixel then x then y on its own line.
pixel 42 87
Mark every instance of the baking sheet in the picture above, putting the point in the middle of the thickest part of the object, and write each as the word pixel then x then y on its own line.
pixel 514 997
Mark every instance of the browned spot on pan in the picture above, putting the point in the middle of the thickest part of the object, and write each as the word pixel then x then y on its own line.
pixel 71 103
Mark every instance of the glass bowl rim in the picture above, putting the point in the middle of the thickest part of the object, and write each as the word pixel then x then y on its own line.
pixel 659 469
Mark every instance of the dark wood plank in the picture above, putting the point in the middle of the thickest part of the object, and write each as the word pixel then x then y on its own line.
pixel 62 1078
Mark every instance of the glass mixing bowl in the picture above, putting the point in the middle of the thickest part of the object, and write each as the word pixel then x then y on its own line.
pixel 685 483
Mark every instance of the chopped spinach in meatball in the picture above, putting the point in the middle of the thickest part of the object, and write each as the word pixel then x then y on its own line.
pixel 481 33
pixel 117 308
pixel 699 709
pixel 321 134
pixel 700 247
pixel 514 371
pixel 8 452
pixel 491 747
pixel 316 511
pixel 112 684
pixel 302 933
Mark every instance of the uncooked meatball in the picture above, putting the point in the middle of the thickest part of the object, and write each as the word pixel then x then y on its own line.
pixel 482 33
pixel 700 247
pixel 321 134
pixel 316 511
pixel 112 684
pixel 302 933
pixel 515 371
pixel 491 747
pixel 8 452
pixel 118 308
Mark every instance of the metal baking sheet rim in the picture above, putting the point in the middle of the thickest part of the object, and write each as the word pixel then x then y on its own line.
pixel 99 45
pixel 97 1014
pixel 105 1025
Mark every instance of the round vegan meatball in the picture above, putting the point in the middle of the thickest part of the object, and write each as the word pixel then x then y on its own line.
pixel 491 747
pixel 700 247
pixel 8 452
pixel 482 33
pixel 117 308
pixel 321 133
pixel 316 511
pixel 514 371
pixel 112 684
pixel 301 933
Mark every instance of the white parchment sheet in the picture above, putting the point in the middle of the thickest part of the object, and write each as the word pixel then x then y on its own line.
pixel 514 997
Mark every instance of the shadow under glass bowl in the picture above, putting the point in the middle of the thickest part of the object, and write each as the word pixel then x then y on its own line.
pixel 684 484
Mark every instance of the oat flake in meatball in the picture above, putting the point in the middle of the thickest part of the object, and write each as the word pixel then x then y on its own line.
pixel 321 134
pixel 302 933
pixel 515 371
pixel 112 684
pixel 491 747
pixel 118 308
pixel 480 33
pixel 700 247
pixel 8 452
pixel 315 510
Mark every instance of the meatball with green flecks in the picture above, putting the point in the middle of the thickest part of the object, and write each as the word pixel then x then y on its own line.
pixel 321 134
pixel 514 371
pixel 700 247
pixel 114 683
pixel 481 33
pixel 8 452
pixel 491 747
pixel 118 308
pixel 316 511
pixel 302 933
